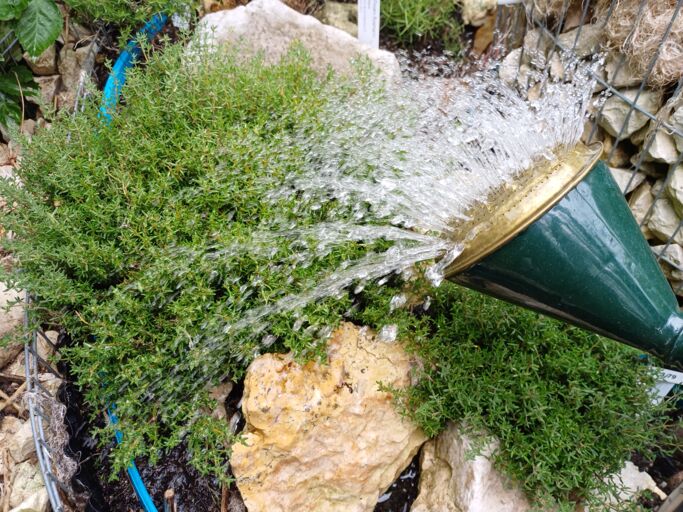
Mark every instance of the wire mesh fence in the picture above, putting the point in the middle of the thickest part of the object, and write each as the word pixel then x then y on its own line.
pixel 638 108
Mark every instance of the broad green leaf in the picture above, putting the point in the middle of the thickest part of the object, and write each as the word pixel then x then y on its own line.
pixel 9 47
pixel 39 26
pixel 12 9
pixel 17 81
pixel 9 110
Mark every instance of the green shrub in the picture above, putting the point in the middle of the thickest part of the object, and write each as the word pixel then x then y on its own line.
pixel 568 407
pixel 416 21
pixel 128 14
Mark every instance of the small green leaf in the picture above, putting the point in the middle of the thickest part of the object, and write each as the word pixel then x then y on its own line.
pixel 12 9
pixel 17 81
pixel 39 26
pixel 9 109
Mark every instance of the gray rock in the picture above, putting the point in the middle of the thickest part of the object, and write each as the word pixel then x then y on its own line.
pixel 620 74
pixel 672 256
pixel 43 64
pixel 626 179
pixel 664 221
pixel 270 27
pixel 20 444
pixel 589 38
pixel 640 203
pixel 341 16
pixel 662 148
pixel 616 111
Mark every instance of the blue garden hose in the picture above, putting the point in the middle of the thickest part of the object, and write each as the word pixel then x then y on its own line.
pixel 110 98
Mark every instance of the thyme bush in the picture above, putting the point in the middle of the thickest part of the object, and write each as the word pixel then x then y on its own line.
pixel 140 238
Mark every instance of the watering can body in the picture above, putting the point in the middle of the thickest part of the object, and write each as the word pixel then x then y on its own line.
pixel 586 262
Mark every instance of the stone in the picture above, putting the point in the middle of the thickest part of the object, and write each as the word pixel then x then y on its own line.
pixel 9 321
pixel 341 16
pixel 27 482
pixel 640 203
pixel 451 480
pixel 673 257
pixel 632 482
pixel 626 179
pixel 323 437
pixel 638 137
pixel 676 120
pixel 675 188
pixel 664 221
pixel 513 68
pixel 619 72
pixel 28 127
pixel 616 110
pixel 6 171
pixel 483 37
pixel 20 443
pixel 45 63
pixel 49 86
pixel 475 12
pixel 72 66
pixel 51 383
pixel 45 349
pixel 616 156
pixel 220 394
pixel 270 27
pixel 537 45
pixel 654 169
pixel 589 38
pixel 662 148
pixel 5 154
pixel 37 502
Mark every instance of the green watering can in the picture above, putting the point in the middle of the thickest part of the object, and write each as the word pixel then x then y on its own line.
pixel 564 242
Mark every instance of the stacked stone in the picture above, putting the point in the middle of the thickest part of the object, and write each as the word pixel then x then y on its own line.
pixel 642 151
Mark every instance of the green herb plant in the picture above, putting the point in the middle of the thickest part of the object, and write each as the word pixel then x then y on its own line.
pixel 423 21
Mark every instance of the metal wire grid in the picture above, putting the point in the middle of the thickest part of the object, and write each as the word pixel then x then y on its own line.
pixel 35 365
pixel 512 25
pixel 8 44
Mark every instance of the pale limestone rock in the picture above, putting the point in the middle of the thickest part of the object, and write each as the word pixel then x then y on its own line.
pixel 45 63
pixel 640 203
pixel 474 12
pixel 619 73
pixel 671 255
pixel 27 482
pixel 5 154
pixel 323 437
pixel 664 221
pixel 675 188
pixel 341 16
pixel 20 443
pixel 37 502
pixel 6 171
pixel 513 68
pixel 51 383
pixel 452 481
pixel 616 110
pixel 634 482
pixel 590 37
pixel 270 27
pixel 662 148
pixel 9 321
pixel 626 179
pixel 653 169
pixel 676 120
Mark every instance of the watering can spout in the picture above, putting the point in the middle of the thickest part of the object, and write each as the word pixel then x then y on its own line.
pixel 565 243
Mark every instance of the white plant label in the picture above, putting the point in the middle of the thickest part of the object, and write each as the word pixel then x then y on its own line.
pixel 368 22
pixel 669 379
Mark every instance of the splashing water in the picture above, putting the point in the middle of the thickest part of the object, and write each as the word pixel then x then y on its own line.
pixel 404 164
